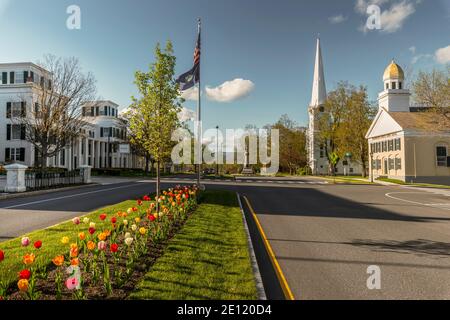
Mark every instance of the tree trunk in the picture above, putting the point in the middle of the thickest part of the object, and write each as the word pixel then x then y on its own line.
pixel 146 164
pixel 363 168
pixel 158 181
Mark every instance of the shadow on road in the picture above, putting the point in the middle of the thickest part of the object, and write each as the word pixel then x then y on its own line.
pixel 315 203
pixel 419 246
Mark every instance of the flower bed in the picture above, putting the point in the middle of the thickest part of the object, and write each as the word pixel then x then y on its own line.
pixel 104 258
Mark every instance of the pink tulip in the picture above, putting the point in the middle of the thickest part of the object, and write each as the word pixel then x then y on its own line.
pixel 25 241
pixel 76 221
pixel 102 246
pixel 71 283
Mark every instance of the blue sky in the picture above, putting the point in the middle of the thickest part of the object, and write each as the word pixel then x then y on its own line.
pixel 269 44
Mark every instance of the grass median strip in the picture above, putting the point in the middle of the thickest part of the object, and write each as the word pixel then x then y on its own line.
pixel 207 259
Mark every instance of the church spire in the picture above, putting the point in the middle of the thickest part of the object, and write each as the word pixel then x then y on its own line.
pixel 319 93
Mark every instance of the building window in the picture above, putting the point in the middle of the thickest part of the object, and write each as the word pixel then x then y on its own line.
pixel 14 154
pixel 398 164
pixel 400 85
pixel 16 131
pixel 19 77
pixel 441 156
pixel 398 144
pixel 391 164
pixel 391 145
pixel 387 86
pixel 383 146
pixel 4 77
pixel 393 85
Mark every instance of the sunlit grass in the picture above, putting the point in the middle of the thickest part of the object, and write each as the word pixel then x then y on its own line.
pixel 207 259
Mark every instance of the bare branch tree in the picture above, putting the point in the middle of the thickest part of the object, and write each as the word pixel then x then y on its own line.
pixel 55 118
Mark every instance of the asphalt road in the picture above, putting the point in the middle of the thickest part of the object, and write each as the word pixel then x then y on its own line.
pixel 324 236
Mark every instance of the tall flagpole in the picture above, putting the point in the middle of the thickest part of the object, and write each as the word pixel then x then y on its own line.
pixel 199 118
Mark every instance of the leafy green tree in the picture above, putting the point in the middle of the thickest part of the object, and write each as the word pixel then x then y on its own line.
pixel 330 121
pixel 356 120
pixel 292 145
pixel 154 115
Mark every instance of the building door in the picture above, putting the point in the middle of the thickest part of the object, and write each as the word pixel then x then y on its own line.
pixel 386 166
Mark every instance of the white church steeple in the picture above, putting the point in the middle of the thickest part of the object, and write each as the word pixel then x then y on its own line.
pixel 319 93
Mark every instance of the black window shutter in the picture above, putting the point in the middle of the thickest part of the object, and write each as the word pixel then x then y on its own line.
pixel 8 132
pixel 22 132
pixel 4 77
pixel 8 110
pixel 12 77
pixel 7 154
pixel 22 154
pixel 101 132
pixel 25 76
pixel 32 76
pixel 24 109
pixel 110 131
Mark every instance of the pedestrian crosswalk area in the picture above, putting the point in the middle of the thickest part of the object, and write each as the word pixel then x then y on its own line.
pixel 266 181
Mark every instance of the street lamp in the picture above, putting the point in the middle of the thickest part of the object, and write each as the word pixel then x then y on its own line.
pixel 217 151
pixel 371 166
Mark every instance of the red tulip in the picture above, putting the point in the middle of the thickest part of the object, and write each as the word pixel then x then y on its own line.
pixel 25 274
pixel 102 216
pixel 114 247
pixel 91 231
pixel 135 209
pixel 2 256
pixel 38 244
pixel 113 220
pixel 146 198
pixel 139 202
pixel 151 218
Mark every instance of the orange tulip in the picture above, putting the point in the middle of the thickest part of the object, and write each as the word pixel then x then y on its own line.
pixel 74 262
pixel 23 285
pixel 91 245
pixel 102 236
pixel 58 261
pixel 28 258
pixel 82 236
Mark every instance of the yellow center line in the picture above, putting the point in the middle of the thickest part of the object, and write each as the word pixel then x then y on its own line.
pixel 281 278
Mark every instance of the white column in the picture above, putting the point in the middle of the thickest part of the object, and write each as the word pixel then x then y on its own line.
pixel 93 154
pixel 80 141
pixel 86 151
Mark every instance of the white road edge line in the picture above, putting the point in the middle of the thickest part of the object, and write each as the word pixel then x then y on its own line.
pixel 68 196
pixel 255 267
pixel 389 195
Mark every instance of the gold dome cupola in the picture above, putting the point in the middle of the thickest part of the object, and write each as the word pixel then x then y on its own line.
pixel 393 77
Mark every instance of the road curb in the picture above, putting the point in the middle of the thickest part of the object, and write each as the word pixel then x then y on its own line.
pixel 255 267
pixel 279 273
pixel 41 192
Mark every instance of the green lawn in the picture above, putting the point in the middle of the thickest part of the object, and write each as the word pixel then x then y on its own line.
pixel 347 179
pixel 426 185
pixel 51 239
pixel 207 259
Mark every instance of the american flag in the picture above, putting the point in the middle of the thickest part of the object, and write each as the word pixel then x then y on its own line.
pixel 197 52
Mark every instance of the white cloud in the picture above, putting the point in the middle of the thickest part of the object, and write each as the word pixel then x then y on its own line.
pixel 186 115
pixel 391 19
pixel 412 49
pixel 337 19
pixel 442 55
pixel 418 57
pixel 190 94
pixel 361 5
pixel 230 90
